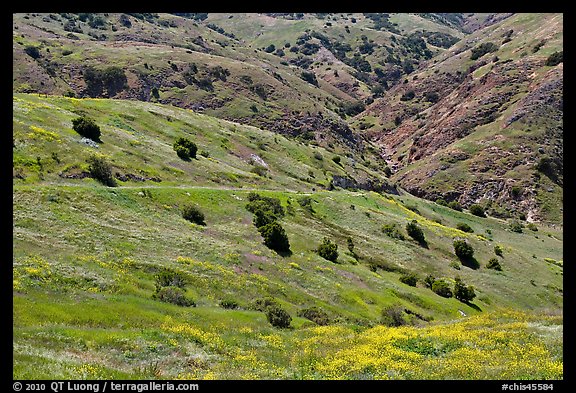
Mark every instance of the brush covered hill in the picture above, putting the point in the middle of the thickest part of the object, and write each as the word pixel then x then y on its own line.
pixel 482 122
pixel 113 282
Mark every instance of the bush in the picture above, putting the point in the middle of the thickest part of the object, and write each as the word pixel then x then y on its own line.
pixel 86 127
pixel 229 304
pixel 309 77
pixel 328 250
pixel 174 295
pixel 275 237
pixel 169 278
pixel 464 227
pixel 498 250
pixel 462 249
pixel 454 205
pixel 477 210
pixel 555 58
pixel 393 316
pixel 32 51
pixel 193 214
pixel 441 202
pixel 409 95
pixel 315 315
pixel 532 227
pixel 185 148
pixel 515 226
pixel 482 49
pixel 336 159
pixel 462 292
pixel 263 303
pixel 278 317
pixel 494 264
pixel 415 232
pixel 269 204
pixel 442 288
pixel 409 279
pixel 429 281
pixel 262 218
pixel 101 170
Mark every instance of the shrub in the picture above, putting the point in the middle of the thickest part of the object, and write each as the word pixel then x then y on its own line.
pixel 315 315
pixel 268 204
pixel 515 226
pixel 263 303
pixel 441 202
pixel 462 249
pixel 328 250
pixel 101 170
pixel 532 227
pixel 275 237
pixel 555 58
pixel 429 281
pixel 415 232
pixel 185 148
pixel 409 279
pixel 309 77
pixel 86 127
pixel 498 250
pixel 306 203
pixel 32 51
pixel 393 316
pixel 278 317
pixel 169 278
pixel 174 295
pixel 318 156
pixel 454 205
pixel 409 95
pixel 482 49
pixel 193 214
pixel 462 292
pixel 229 304
pixel 262 218
pixel 442 288
pixel 336 159
pixel 477 210
pixel 259 170
pixel 464 227
pixel 494 264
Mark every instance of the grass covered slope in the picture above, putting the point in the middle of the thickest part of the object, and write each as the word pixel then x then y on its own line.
pixel 86 262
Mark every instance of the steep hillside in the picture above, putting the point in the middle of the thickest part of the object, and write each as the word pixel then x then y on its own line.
pixel 88 260
pixel 483 121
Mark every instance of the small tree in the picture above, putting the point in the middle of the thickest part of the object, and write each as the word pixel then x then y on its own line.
pixel 464 227
pixel 393 316
pixel 441 288
pixel 477 210
pixel 462 292
pixel 498 250
pixel 86 127
pixel 32 51
pixel 454 205
pixel 101 170
pixel 462 249
pixel 278 317
pixel 429 281
pixel 275 237
pixel 174 295
pixel 409 279
pixel 328 250
pixel 193 214
pixel 415 232
pixel 316 315
pixel 494 264
pixel 185 148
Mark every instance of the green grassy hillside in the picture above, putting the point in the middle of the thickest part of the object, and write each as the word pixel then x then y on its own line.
pixel 86 260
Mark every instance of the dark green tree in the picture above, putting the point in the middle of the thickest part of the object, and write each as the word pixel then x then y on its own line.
pixel 87 127
pixel 328 250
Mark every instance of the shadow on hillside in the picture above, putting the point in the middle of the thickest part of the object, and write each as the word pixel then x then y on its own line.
pixel 475 307
pixel 470 262
pixel 284 254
